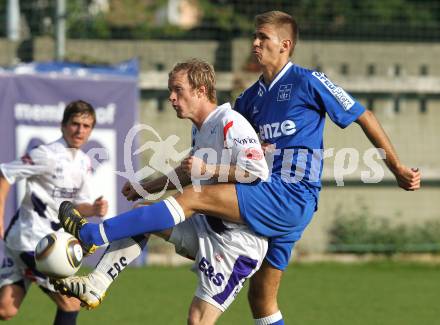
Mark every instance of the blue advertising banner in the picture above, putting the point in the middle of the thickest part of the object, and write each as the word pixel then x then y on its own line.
pixel 32 101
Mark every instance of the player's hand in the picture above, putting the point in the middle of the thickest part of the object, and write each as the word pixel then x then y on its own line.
pixel 268 148
pixel 129 192
pixel 141 203
pixel 100 206
pixel 193 164
pixel 408 178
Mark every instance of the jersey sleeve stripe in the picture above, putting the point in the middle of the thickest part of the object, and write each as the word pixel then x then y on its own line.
pixel 226 128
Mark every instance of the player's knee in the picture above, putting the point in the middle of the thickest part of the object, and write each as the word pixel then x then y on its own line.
pixel 197 317
pixel 7 312
pixel 193 318
pixel 194 315
pixel 196 320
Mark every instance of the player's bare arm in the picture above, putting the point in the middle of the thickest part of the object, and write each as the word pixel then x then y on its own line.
pixel 407 178
pixel 155 185
pixel 229 173
pixel 99 208
pixel 4 190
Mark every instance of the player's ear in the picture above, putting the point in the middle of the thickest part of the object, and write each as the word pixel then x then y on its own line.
pixel 286 45
pixel 201 91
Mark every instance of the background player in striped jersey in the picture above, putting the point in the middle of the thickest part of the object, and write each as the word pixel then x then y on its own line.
pixel 288 106
pixel 224 146
pixel 54 172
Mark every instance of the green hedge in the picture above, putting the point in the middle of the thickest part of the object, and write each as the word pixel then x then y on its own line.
pixel 362 233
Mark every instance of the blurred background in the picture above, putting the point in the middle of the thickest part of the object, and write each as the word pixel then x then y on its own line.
pixel 385 53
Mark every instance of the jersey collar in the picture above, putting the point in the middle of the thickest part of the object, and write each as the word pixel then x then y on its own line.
pixel 214 112
pixel 63 142
pixel 278 76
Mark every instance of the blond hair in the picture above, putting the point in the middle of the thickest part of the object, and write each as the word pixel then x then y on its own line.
pixel 200 73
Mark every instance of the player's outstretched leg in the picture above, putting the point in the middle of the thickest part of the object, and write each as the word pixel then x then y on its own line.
pixel 146 219
pixel 72 222
pixel 87 289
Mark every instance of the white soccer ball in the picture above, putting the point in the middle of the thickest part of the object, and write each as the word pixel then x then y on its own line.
pixel 58 254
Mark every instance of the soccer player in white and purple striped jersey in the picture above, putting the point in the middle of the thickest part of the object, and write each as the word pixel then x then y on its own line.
pixel 226 147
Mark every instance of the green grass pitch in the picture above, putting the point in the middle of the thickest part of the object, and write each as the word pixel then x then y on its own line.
pixel 324 293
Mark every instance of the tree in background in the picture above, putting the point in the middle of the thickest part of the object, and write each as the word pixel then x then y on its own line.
pixel 227 19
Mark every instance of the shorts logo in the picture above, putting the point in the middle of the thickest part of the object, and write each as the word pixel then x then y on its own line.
pixel 340 95
pixel 208 270
pixel 284 92
pixel 7 262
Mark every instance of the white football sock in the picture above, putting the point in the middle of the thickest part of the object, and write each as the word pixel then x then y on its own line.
pixel 117 256
pixel 269 319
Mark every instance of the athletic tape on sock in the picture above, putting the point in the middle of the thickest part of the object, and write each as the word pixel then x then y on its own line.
pixel 175 210
pixel 102 233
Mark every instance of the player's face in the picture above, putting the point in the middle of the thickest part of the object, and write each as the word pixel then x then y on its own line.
pixel 77 130
pixel 182 96
pixel 267 45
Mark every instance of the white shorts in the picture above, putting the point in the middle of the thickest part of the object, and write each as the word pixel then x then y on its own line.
pixel 20 266
pixel 223 260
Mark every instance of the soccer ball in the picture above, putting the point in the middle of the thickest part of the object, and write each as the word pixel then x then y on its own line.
pixel 58 254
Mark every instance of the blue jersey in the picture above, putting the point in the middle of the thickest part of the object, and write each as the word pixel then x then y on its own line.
pixel 290 113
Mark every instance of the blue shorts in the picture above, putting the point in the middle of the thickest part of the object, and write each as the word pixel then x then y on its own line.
pixel 279 211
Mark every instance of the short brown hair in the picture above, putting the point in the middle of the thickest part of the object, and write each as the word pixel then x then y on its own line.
pixel 280 20
pixel 200 73
pixel 78 107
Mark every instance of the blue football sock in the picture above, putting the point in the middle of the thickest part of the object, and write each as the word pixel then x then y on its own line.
pixel 147 219
pixel 89 234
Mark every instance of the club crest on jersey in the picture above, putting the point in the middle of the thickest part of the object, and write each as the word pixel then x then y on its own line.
pixel 284 92
pixel 214 130
pixel 26 159
pixel 338 93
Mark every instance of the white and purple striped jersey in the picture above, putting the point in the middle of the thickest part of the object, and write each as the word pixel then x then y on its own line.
pixel 225 254
pixel 230 140
pixel 53 173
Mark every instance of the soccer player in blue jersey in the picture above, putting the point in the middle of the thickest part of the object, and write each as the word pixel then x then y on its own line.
pixel 287 106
